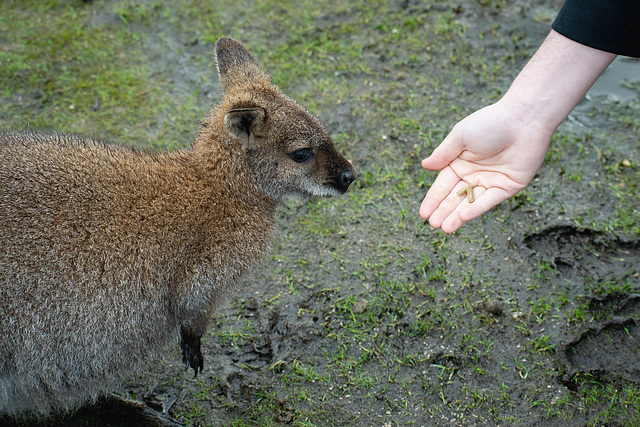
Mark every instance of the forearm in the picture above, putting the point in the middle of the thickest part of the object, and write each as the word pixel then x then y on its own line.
pixel 554 81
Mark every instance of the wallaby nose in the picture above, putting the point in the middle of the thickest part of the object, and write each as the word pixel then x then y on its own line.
pixel 346 178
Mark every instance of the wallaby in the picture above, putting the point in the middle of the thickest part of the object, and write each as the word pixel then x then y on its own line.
pixel 108 254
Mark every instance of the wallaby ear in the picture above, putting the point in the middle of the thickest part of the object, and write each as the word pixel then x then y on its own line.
pixel 236 65
pixel 242 122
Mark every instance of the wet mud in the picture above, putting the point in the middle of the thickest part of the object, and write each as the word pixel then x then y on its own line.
pixel 363 315
pixel 582 252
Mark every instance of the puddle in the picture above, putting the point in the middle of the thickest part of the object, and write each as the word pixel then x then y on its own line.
pixel 611 83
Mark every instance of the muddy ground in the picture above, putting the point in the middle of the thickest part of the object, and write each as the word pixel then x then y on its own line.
pixel 363 315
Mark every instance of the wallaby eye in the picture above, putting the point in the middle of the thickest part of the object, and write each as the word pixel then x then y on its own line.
pixel 302 155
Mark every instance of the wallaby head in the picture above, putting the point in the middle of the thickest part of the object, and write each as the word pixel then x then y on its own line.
pixel 287 148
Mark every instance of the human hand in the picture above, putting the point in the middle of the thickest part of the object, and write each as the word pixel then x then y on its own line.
pixel 494 149
pixel 499 149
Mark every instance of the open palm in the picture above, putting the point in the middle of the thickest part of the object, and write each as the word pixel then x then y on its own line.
pixel 493 150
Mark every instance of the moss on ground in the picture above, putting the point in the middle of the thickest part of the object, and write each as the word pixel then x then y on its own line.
pixel 363 315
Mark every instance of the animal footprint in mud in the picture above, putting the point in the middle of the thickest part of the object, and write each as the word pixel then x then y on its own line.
pixel 612 348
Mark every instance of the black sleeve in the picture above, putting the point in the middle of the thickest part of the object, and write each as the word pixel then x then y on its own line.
pixel 609 25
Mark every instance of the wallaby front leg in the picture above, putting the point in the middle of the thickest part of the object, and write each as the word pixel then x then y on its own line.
pixel 191 353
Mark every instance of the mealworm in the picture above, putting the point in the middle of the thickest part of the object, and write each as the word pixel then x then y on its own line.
pixel 469 190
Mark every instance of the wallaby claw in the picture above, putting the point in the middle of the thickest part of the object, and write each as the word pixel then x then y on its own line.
pixel 191 353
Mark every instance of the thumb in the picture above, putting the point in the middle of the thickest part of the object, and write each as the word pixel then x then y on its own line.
pixel 445 153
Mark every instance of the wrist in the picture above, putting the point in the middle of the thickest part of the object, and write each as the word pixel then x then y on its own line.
pixel 532 113
pixel 554 81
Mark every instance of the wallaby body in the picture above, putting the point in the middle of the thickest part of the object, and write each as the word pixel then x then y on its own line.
pixel 108 254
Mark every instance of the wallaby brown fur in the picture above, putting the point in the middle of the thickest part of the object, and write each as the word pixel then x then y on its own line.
pixel 109 254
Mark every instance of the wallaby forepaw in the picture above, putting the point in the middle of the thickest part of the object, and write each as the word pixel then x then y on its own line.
pixel 191 353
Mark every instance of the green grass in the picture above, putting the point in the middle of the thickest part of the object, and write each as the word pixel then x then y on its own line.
pixel 63 66
pixel 389 322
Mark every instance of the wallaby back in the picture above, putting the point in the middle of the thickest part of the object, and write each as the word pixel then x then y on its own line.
pixel 109 254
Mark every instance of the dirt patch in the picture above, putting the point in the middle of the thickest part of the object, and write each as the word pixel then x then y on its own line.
pixel 582 252
pixel 363 315
pixel 612 348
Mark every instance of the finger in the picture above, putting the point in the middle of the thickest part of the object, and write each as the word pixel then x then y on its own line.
pixel 449 207
pixel 439 216
pixel 440 189
pixel 485 199
pixel 445 153
pixel 452 223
